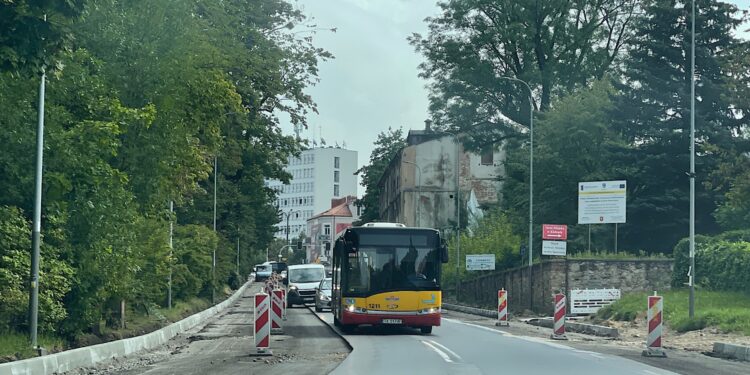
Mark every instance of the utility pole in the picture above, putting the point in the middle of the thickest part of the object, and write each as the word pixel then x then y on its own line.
pixel 37 224
pixel 238 250
pixel 692 167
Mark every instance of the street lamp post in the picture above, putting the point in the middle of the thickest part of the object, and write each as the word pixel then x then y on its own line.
pixel 171 234
pixel 288 214
pixel 37 226
pixel 531 180
pixel 691 280
pixel 419 191
pixel 213 257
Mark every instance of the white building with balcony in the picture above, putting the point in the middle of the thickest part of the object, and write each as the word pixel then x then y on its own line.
pixel 319 175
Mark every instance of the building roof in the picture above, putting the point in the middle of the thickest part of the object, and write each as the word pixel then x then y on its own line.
pixel 339 210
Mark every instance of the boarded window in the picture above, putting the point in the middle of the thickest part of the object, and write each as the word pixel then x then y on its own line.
pixel 488 157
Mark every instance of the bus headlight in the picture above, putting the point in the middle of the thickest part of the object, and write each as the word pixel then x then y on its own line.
pixel 431 310
pixel 355 309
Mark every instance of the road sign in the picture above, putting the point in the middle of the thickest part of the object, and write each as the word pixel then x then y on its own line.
pixel 601 202
pixel 324 237
pixel 554 232
pixel 589 301
pixel 480 262
pixel 554 247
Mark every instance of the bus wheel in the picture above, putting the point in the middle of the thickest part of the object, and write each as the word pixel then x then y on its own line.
pixel 347 328
pixel 426 330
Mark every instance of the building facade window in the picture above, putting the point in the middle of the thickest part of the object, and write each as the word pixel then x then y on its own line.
pixel 488 157
pixel 327 229
pixel 335 190
pixel 336 162
pixel 335 176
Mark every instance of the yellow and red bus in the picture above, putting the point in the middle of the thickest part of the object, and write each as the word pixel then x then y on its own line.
pixel 388 274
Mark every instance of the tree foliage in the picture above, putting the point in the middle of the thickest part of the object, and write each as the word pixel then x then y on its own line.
pixel 145 98
pixel 386 146
pixel 555 46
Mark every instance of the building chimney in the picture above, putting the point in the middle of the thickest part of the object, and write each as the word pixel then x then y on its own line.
pixel 428 125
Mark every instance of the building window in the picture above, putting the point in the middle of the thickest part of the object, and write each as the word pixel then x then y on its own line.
pixel 336 162
pixel 335 190
pixel 335 176
pixel 327 229
pixel 487 157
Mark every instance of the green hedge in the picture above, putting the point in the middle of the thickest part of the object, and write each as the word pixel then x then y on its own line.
pixel 721 262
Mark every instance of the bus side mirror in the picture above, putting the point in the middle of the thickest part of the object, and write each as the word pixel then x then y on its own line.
pixel 444 252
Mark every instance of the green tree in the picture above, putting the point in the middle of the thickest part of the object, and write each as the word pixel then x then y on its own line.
pixel 386 146
pixel 652 112
pixel 34 31
pixel 574 142
pixel 555 46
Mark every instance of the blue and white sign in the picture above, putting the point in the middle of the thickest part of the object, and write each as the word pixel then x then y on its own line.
pixel 480 262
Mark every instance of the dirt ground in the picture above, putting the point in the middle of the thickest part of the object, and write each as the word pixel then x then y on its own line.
pixel 634 334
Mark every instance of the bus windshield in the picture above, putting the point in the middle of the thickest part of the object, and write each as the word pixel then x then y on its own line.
pixel 375 269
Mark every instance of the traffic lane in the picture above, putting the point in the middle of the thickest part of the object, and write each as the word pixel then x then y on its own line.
pixel 393 350
pixel 461 348
pixel 679 361
pixel 494 350
pixel 225 345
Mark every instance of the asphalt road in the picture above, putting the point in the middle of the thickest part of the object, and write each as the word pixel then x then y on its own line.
pixel 459 347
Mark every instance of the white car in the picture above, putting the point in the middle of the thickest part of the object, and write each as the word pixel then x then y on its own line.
pixel 302 280
pixel 323 295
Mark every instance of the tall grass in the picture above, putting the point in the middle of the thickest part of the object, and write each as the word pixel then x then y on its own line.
pixel 19 345
pixel 729 311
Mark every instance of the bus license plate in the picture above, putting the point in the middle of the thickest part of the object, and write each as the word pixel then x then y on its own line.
pixel 392 321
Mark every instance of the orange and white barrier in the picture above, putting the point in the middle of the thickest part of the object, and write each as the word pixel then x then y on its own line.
pixel 654 316
pixel 262 321
pixel 276 297
pixel 558 332
pixel 502 308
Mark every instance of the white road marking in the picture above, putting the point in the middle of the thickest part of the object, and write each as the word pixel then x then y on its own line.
pixel 458 357
pixel 441 353
pixel 478 326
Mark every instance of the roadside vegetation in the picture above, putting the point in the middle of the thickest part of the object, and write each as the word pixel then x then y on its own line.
pixel 145 100
pixel 727 311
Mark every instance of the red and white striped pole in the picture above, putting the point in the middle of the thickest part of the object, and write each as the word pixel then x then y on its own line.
pixel 502 308
pixel 558 332
pixel 654 316
pixel 276 296
pixel 262 324
pixel 283 303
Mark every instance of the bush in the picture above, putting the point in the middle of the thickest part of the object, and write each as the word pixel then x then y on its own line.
pixel 720 263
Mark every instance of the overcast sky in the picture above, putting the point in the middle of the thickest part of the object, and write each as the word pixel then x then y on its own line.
pixel 372 83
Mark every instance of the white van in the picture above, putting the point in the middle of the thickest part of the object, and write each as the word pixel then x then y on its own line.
pixel 302 280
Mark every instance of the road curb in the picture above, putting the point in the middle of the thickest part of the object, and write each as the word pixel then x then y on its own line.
pixel 91 355
pixel 470 310
pixel 731 351
pixel 333 329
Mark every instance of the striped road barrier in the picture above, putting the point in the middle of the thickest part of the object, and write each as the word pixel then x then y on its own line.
pixel 262 328
pixel 558 328
pixel 502 308
pixel 654 316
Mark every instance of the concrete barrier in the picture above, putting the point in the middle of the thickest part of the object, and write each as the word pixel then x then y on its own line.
pixel 732 351
pixel 471 310
pixel 587 329
pixel 90 355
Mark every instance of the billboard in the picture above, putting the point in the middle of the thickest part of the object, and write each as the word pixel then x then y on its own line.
pixel 601 202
